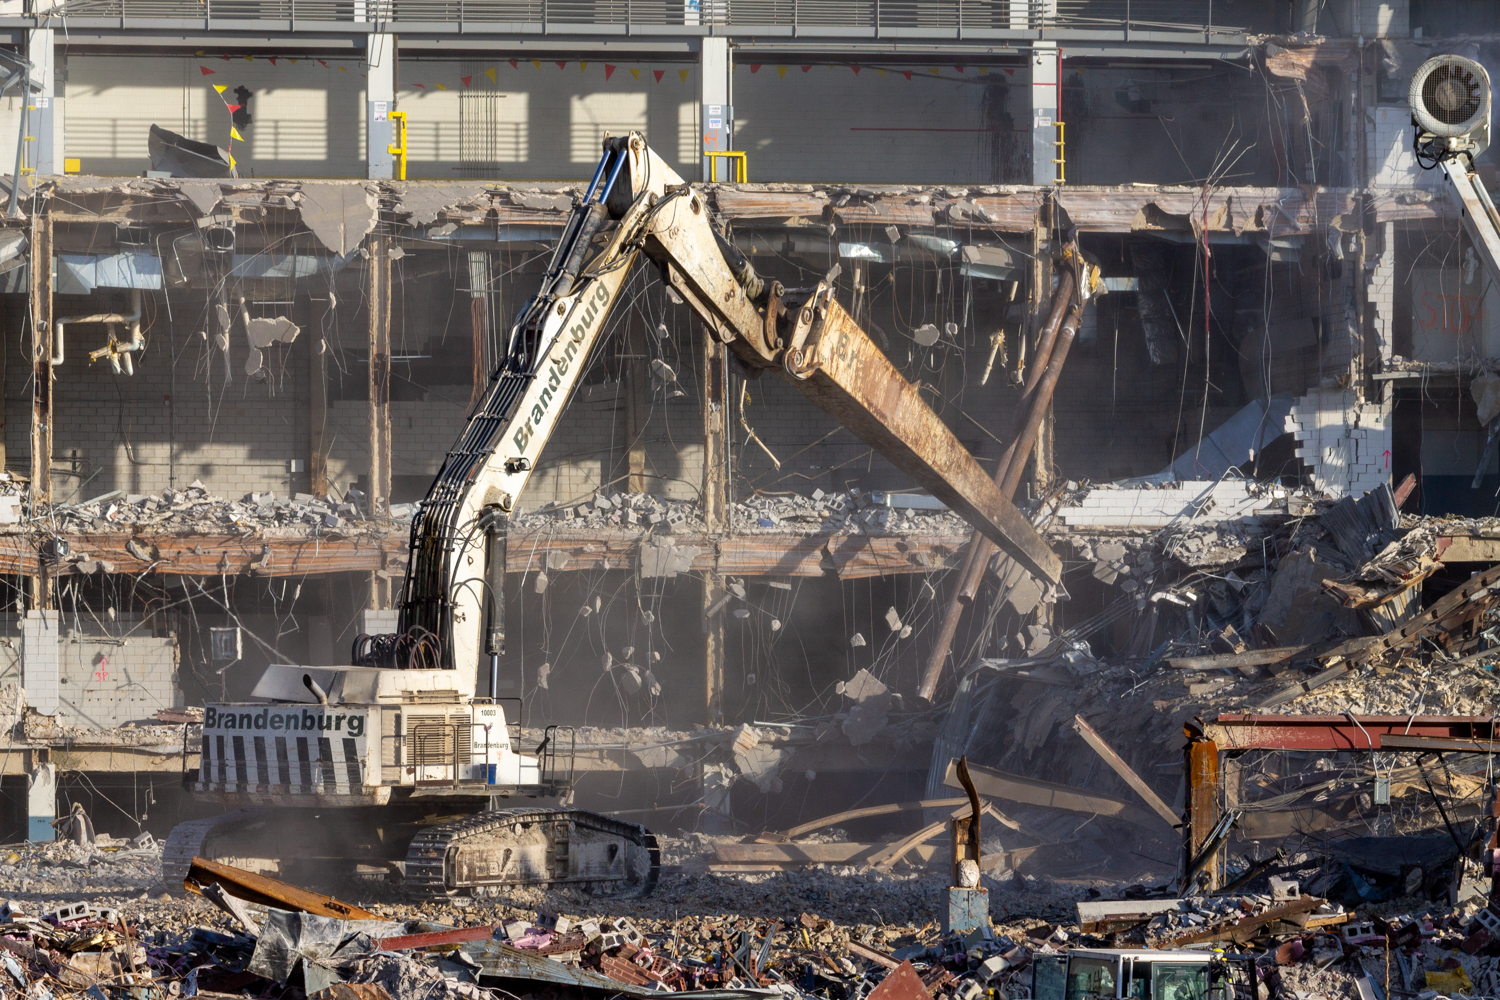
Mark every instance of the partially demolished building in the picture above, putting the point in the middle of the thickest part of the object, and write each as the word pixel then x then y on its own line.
pixel 262 256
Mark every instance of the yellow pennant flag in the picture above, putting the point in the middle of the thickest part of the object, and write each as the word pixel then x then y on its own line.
pixel 781 71
pixel 291 60
pixel 636 73
pixel 442 86
pixel 249 59
pixel 583 66
pixel 683 75
pixel 984 71
pixel 933 70
pixel 231 161
pixel 345 69
pixel 491 74
pixel 234 133
pixel 537 63
pixel 221 87
pixel 880 71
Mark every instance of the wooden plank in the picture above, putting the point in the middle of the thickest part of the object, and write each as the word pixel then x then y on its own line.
pixel 993 784
pixel 1124 770
pixel 881 810
pixel 805 854
pixel 1249 658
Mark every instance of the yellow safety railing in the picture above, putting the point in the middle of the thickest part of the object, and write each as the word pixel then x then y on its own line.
pixel 399 149
pixel 736 163
pixel 1062 156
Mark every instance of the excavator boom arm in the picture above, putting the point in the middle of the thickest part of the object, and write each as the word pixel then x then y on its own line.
pixel 637 204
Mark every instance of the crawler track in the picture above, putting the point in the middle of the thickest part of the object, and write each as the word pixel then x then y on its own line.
pixel 631 869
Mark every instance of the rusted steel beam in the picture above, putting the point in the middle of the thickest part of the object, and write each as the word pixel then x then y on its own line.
pixel 1334 733
pixel 268 891
pixel 852 380
pixel 1203 799
pixel 434 938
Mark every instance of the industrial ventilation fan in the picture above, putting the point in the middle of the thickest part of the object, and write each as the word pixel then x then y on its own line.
pixel 1450 106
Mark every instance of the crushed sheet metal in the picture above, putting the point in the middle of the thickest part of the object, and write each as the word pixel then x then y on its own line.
pixel 903 983
pixel 504 961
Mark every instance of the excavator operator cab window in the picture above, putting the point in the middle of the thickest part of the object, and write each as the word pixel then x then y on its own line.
pixel 1179 982
pixel 1092 979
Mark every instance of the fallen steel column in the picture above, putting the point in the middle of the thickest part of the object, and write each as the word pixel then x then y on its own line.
pixel 1041 382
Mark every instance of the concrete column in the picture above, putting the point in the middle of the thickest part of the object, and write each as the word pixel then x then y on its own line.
pixel 45 125
pixel 380 101
pixel 716 114
pixel 41 802
pixel 39 660
pixel 1044 103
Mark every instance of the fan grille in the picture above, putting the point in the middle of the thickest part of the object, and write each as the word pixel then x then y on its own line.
pixel 1451 94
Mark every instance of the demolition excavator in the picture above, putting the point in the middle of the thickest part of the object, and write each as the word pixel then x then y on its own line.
pixel 393 765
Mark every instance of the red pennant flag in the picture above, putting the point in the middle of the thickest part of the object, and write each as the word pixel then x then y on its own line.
pixel 1010 72
pixel 206 71
pixel 806 68
pixel 420 86
pixel 658 73
pixel 466 79
pixel 959 68
pixel 323 64
pixel 233 107
pixel 273 60
pixel 561 64
pixel 755 67
pixel 515 64
pixel 609 71
pixel 225 58
pixel 856 70
pixel 906 73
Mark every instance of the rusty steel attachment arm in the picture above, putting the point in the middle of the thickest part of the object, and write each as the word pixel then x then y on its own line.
pixel 807 338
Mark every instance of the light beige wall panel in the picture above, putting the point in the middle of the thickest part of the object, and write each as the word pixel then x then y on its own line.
pixel 307 116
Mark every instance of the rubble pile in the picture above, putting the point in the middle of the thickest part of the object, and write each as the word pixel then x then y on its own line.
pixel 195 510
pixel 854 512
pixel 94 921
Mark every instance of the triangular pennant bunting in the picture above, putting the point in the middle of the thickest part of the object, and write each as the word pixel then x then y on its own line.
pixel 233 107
pixel 234 134
pixel 856 70
pixel 781 72
pixel 906 73
pixel 583 67
pixel 609 71
pixel 755 67
pixel 206 71
pixel 221 87
pixel 807 69
pixel 467 80
pixel 658 73
pixel 682 74
pixel 491 74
